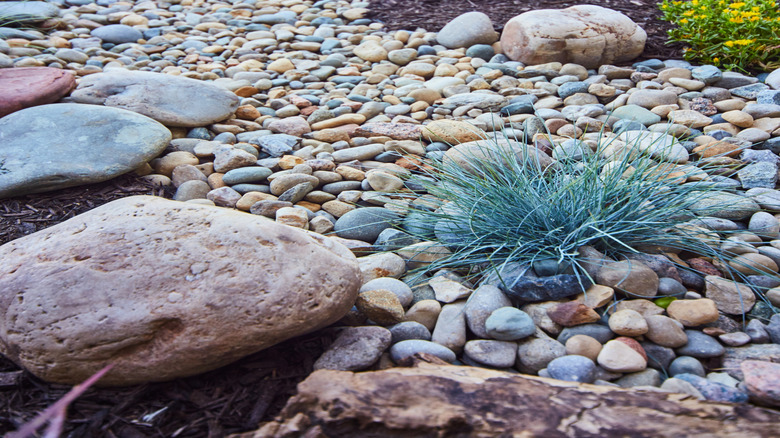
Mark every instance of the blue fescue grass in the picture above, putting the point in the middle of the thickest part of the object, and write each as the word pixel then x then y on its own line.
pixel 504 207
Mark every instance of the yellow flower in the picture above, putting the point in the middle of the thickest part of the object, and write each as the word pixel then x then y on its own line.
pixel 695 2
pixel 688 13
pixel 683 21
pixel 715 60
pixel 737 5
pixel 700 17
pixel 755 9
pixel 729 44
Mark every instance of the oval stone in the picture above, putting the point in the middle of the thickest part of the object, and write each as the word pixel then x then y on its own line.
pixel 39 145
pixel 171 100
pixel 164 289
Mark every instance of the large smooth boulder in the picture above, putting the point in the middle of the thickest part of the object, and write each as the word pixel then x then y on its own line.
pixel 466 30
pixel 61 145
pixel 587 35
pixel 171 100
pixel 29 86
pixel 164 289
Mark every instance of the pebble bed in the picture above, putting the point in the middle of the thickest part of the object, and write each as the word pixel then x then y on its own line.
pixel 331 110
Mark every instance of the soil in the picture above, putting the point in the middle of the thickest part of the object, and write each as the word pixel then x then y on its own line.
pixel 238 397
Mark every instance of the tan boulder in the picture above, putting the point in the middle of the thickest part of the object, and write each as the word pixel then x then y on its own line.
pixel 587 35
pixel 164 289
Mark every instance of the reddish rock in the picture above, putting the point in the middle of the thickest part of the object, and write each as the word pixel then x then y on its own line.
pixel 25 87
pixel 762 380
pixel 295 126
pixel 396 131
pixel 703 106
pixel 703 267
pixel 572 313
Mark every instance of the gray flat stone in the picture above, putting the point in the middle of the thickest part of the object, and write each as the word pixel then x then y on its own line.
pixel 38 146
pixel 171 100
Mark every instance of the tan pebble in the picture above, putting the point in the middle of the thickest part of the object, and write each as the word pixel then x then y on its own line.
pixel 628 322
pixel 215 180
pixel 583 345
pixel 426 95
pixel 311 206
pixel 717 149
pixel 754 264
pixel 426 312
pixel 337 208
pixel 423 254
pixel 446 70
pixel 392 100
pixel 290 161
pixel 381 306
pixel 644 307
pixel 294 217
pixel 250 198
pixel 617 356
pixel 665 331
pixel 664 110
pixel 166 164
pixel 344 119
pixel 730 105
pixel 384 182
pixel 320 225
pixel 676 72
pixel 738 118
pixel 349 173
pixel 688 84
pixel 596 296
pixel 692 313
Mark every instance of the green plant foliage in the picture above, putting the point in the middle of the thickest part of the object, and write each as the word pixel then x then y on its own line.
pixel 501 206
pixel 735 35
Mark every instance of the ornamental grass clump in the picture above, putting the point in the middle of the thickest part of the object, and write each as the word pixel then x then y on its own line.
pixel 502 206
pixel 735 35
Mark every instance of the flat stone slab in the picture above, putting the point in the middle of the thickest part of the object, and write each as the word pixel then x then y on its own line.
pixel 171 100
pixel 55 146
pixel 25 87
pixel 27 12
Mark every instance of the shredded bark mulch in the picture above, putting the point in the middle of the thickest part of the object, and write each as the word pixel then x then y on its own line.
pixel 27 214
pixel 432 15
pixel 238 397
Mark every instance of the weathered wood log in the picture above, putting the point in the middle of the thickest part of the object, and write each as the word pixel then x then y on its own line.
pixel 433 400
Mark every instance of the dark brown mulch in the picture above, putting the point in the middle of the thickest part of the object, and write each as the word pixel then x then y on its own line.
pixel 27 214
pixel 432 15
pixel 232 399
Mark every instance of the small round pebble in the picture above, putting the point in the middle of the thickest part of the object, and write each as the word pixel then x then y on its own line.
pixel 509 324
pixel 572 368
